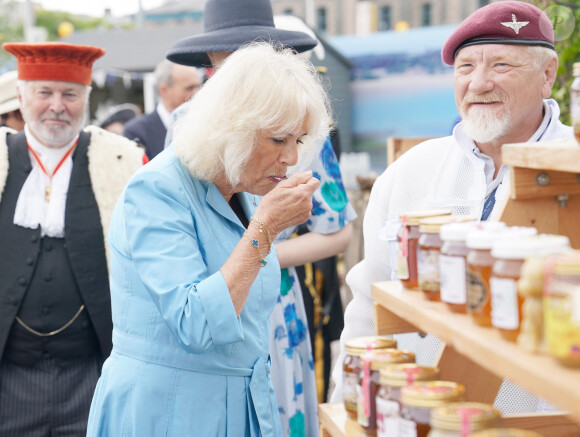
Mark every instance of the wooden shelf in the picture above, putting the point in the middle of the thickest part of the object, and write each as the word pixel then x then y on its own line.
pixel 540 374
pixel 549 155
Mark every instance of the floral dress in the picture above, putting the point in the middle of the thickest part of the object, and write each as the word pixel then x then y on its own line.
pixel 292 370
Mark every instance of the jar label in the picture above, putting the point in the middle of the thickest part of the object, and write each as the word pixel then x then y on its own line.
pixel 428 269
pixel 402 264
pixel 407 428
pixel 477 291
pixel 562 321
pixel 504 303
pixel 349 383
pixel 452 271
pixel 387 417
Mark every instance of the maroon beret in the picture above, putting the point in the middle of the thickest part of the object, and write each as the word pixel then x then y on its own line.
pixel 505 22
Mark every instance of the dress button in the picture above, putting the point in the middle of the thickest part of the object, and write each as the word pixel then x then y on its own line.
pixel 85 324
pixel 22 281
pixel 45 311
pixel 48 278
pixel 48 247
pixel 33 238
pixel 29 260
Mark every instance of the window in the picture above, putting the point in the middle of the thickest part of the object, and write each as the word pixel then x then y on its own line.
pixel 483 3
pixel 426 14
pixel 288 11
pixel 321 19
pixel 385 19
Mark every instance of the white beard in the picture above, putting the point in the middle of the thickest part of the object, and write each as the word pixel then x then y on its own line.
pixel 55 136
pixel 483 126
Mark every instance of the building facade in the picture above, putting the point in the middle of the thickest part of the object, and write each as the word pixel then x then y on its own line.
pixel 348 17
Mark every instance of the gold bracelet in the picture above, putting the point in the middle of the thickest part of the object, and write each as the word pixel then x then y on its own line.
pixel 255 243
pixel 262 229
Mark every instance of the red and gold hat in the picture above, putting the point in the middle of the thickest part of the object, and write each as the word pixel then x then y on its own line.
pixel 505 22
pixel 54 61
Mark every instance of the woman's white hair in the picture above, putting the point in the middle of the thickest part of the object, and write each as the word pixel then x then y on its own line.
pixel 258 88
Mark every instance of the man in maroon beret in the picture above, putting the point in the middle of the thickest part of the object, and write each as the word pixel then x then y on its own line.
pixel 504 69
pixel 58 186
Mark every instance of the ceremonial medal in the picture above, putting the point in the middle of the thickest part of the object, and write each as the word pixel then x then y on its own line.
pixel 48 189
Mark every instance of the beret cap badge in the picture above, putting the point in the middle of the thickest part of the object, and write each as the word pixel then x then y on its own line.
pixel 515 24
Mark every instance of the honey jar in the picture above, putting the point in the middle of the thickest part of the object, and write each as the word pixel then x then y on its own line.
pixel 388 399
pixel 562 307
pixel 352 366
pixel 419 399
pixel 462 419
pixel 369 383
pixel 452 265
pixel 506 302
pixel 479 263
pixel 408 238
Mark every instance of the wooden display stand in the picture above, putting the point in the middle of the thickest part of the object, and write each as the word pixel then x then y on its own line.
pixel 545 193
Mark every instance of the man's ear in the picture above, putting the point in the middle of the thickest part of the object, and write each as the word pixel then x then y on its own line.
pixel 550 71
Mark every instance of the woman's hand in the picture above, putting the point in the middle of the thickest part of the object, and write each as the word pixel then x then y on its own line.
pixel 289 204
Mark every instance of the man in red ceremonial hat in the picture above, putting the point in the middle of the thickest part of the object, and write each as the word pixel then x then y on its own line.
pixel 504 69
pixel 58 187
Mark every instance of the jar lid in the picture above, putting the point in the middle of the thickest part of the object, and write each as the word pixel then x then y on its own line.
pixel 430 394
pixel 413 217
pixel 465 417
pixel 457 231
pixel 384 357
pixel 506 432
pixel 521 248
pixel 359 345
pixel 567 264
pixel 401 375
pixel 484 234
pixel 432 225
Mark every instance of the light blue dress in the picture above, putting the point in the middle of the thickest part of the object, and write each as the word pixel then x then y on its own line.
pixel 290 348
pixel 183 364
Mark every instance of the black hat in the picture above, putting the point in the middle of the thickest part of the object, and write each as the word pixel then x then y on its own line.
pixel 229 24
pixel 120 113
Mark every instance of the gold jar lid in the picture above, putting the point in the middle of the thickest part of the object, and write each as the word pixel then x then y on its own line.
pixel 431 394
pixel 359 345
pixel 432 225
pixel 567 264
pixel 384 357
pixel 506 432
pixel 466 417
pixel 401 375
pixel 413 217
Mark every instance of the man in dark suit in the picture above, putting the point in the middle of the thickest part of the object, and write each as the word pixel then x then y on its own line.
pixel 58 187
pixel 175 84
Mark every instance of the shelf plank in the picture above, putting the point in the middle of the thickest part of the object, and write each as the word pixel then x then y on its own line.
pixel 549 424
pixel 545 155
pixel 332 418
pixel 540 374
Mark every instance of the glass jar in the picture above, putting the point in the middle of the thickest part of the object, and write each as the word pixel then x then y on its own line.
pixel 352 366
pixel 388 399
pixel 562 308
pixel 419 399
pixel 506 302
pixel 478 269
pixel 575 101
pixel 428 253
pixel 369 383
pixel 452 265
pixel 407 238
pixel 506 432
pixel 462 419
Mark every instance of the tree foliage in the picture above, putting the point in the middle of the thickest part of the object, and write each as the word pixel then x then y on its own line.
pixel 568 51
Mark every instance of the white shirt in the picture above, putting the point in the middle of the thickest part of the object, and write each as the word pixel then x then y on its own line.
pixel 32 208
